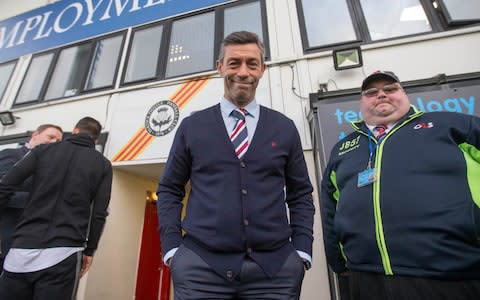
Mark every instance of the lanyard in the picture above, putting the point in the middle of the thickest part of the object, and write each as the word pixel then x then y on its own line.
pixel 372 147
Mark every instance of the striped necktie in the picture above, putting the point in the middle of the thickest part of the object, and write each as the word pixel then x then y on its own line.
pixel 380 131
pixel 239 135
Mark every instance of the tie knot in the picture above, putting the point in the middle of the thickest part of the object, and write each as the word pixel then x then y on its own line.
pixel 380 130
pixel 239 113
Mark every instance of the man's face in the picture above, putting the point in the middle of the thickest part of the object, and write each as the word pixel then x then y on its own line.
pixel 387 104
pixel 241 69
pixel 47 136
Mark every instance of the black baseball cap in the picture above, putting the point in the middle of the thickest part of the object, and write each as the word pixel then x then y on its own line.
pixel 379 75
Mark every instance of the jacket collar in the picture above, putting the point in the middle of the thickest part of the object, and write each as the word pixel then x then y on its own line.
pixel 412 113
pixel 81 139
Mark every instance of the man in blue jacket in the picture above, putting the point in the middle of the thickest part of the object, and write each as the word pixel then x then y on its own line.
pixel 400 200
pixel 245 164
pixel 44 134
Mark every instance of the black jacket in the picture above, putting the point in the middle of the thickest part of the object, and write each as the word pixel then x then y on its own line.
pixel 70 195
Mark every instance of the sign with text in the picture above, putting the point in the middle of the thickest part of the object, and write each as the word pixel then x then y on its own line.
pixel 68 21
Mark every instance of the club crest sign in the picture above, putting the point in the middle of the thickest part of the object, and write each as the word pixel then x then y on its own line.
pixel 162 118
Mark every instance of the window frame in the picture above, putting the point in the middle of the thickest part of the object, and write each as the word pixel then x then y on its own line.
pixel 435 16
pixel 220 32
pixel 160 63
pixel 51 68
pixel 443 9
pixel 358 30
pixel 121 34
pixel 44 85
pixel 217 38
pixel 9 80
pixel 58 53
pixel 169 40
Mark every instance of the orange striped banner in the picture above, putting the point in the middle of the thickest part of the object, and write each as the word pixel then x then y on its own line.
pixel 142 139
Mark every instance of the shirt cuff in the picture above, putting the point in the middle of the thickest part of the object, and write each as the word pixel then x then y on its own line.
pixel 307 259
pixel 169 255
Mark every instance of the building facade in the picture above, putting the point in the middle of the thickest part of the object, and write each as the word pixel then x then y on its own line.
pixel 141 66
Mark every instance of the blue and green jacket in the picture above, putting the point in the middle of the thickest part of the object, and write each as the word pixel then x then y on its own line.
pixel 421 215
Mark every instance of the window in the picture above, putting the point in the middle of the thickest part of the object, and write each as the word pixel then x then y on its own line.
pixel 67 75
pixel 104 63
pixel 328 23
pixel 72 70
pixel 243 17
pixel 189 44
pixel 143 56
pixel 460 11
pixel 397 18
pixel 36 75
pixel 6 71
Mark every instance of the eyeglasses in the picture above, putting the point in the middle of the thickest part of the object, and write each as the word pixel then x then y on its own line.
pixel 387 89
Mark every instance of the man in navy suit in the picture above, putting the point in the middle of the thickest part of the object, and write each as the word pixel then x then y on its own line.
pixel 245 165
pixel 46 133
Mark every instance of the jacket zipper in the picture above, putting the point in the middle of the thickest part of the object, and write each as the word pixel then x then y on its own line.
pixel 379 234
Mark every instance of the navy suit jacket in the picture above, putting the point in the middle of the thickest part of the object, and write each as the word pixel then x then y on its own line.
pixel 237 207
pixel 10 216
pixel 8 158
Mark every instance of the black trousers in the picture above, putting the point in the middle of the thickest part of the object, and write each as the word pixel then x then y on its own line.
pixel 8 221
pixel 58 282
pixel 194 279
pixel 372 286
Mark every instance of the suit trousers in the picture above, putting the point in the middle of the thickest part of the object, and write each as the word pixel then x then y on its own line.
pixel 57 282
pixel 194 279
pixel 373 286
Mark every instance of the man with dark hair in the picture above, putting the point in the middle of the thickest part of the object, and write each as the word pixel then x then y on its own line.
pixel 239 242
pixel 400 200
pixel 89 126
pixel 46 133
pixel 63 219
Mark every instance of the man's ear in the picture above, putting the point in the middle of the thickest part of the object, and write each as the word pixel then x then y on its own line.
pixel 218 65
pixel 75 130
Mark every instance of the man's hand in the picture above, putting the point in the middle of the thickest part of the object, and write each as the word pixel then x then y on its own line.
pixel 86 263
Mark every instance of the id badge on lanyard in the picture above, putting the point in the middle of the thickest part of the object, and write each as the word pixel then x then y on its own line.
pixel 369 175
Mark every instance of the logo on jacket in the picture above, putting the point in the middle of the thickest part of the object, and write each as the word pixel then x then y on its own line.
pixel 423 125
pixel 349 145
pixel 162 118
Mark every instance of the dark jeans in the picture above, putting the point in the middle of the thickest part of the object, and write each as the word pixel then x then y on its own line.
pixel 372 286
pixel 194 279
pixel 58 282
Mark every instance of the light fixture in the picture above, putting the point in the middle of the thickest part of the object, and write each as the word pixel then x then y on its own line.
pixel 7 118
pixel 347 58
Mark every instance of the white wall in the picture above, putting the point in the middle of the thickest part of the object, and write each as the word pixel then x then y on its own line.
pixel 114 270
pixel 453 52
pixel 315 283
